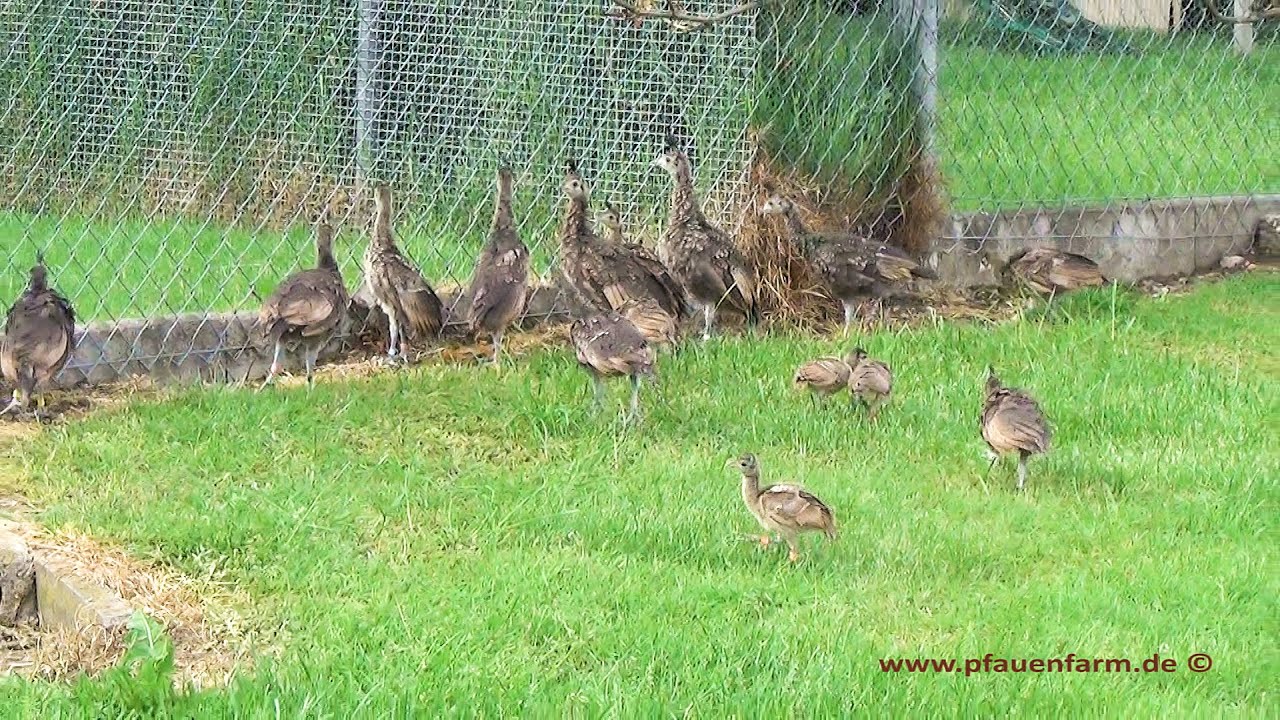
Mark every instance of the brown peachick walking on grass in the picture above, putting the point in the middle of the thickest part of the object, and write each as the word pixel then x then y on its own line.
pixel 306 309
pixel 870 381
pixel 39 336
pixel 1012 422
pixel 788 510
pixel 608 345
pixel 822 377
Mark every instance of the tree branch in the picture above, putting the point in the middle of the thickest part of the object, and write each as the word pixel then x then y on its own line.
pixel 1271 13
pixel 675 14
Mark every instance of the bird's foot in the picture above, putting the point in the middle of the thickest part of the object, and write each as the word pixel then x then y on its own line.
pixel 793 556
pixel 764 541
pixel 14 406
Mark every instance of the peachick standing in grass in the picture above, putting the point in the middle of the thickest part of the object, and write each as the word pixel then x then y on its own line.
pixel 1012 422
pixel 608 345
pixel 785 509
pixel 306 309
pixel 823 377
pixel 397 286
pixel 700 255
pixel 500 283
pixel 870 381
pixel 39 336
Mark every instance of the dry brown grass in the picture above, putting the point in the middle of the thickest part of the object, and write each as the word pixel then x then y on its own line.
pixel 210 640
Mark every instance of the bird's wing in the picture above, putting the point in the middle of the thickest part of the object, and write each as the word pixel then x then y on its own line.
pixel 1071 271
pixel 823 372
pixel 1016 423
pixel 873 376
pixel 793 506
pixel 893 264
pixel 39 332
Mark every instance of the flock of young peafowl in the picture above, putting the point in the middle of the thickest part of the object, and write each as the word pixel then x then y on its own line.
pixel 632 301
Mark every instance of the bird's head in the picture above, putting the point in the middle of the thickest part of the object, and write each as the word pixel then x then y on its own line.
pixel 39 274
pixel 672 158
pixel 610 217
pixel 775 204
pixel 746 464
pixel 993 382
pixel 856 356
pixel 505 177
pixel 574 187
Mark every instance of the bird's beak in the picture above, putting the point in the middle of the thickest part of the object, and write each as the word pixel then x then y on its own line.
pixel 656 162
pixel 731 462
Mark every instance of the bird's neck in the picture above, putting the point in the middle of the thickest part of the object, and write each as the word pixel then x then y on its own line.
pixel 750 487
pixel 614 234
pixel 684 199
pixel 794 224
pixel 574 225
pixel 382 225
pixel 502 216
pixel 324 257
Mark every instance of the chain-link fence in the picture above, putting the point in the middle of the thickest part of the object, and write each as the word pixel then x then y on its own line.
pixel 167 156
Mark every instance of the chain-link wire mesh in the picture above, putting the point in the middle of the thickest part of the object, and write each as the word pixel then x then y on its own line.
pixel 168 156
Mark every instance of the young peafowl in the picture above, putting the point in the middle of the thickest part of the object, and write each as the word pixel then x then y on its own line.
pixel 306 309
pixel 39 337
pixel 500 283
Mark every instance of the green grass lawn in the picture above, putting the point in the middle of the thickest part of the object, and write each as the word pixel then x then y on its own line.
pixel 445 541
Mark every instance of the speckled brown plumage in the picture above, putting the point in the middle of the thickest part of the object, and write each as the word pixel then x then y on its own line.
pixel 1049 271
pixel 1012 422
pixel 306 309
pixel 500 283
pixel 605 276
pixel 672 298
pixel 785 509
pixel 823 377
pixel 870 381
pixel 700 255
pixel 851 268
pixel 39 337
pixel 608 345
pixel 412 308
pixel 657 326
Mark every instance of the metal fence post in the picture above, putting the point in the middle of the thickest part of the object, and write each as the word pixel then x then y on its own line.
pixel 368 88
pixel 1243 32
pixel 917 20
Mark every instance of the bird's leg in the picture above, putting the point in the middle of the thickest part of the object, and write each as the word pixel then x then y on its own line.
pixel 497 349
pixel 310 356
pixel 794 555
pixel 40 407
pixel 873 408
pixel 1022 471
pixel 597 387
pixel 994 457
pixel 393 339
pixel 849 312
pixel 275 365
pixel 708 318
pixel 15 403
pixel 764 541
pixel 635 399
